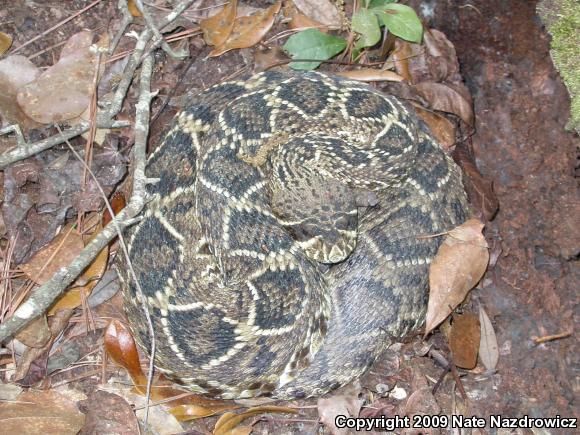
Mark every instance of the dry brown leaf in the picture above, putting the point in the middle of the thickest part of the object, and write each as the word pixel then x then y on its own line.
pixel 108 413
pixel 404 51
pixel 447 98
pixel 488 348
pixel 5 43
pixel 122 349
pixel 323 11
pixel 118 203
pixel 217 28
pixel 41 412
pixel 63 249
pixel 441 127
pixel 300 21
pixel 344 401
pixel 458 266
pixel 248 31
pixel 63 91
pixel 228 423
pixel 15 72
pixel 36 334
pixel 23 373
pixel 464 340
pixel 84 284
pixel 479 190
pixel 371 75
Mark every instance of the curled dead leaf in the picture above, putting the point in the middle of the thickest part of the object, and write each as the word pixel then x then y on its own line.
pixel 122 349
pixel 441 127
pixel 479 190
pixel 248 31
pixel 458 266
pixel 447 98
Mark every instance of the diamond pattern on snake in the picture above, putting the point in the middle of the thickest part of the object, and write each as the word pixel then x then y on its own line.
pixel 283 248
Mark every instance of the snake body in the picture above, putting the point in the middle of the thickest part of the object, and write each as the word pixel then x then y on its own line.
pixel 288 239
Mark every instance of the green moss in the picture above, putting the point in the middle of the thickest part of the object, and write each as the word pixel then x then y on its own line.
pixel 562 19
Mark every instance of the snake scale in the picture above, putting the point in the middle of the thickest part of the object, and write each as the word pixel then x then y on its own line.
pixel 284 245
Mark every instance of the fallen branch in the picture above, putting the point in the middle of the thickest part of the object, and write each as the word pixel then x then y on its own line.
pixel 24 150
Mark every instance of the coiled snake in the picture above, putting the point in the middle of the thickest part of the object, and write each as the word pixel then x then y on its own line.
pixel 284 246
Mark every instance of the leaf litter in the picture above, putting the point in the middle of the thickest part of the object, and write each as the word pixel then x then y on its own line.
pixel 260 23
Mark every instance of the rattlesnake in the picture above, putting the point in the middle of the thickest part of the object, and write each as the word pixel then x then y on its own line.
pixel 262 184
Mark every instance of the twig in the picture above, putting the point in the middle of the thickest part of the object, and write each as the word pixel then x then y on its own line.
pixel 25 150
pixel 157 33
pixel 127 20
pixel 137 57
pixel 546 338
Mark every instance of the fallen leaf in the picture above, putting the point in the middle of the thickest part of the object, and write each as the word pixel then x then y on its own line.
pixel 479 190
pixel 84 284
pixel 41 412
pixel 122 349
pixel 464 340
pixel 108 413
pixel 458 266
pixel 117 203
pixel 371 75
pixel 300 21
pixel 248 31
pixel 344 401
pixel 28 373
pixel 63 91
pixel 227 423
pixel 63 249
pixel 404 51
pixel 5 43
pixel 36 334
pixel 488 348
pixel 323 11
pixel 440 127
pixel 217 28
pixel 15 72
pixel 447 98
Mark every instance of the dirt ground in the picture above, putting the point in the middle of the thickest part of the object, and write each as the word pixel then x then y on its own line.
pixel 521 107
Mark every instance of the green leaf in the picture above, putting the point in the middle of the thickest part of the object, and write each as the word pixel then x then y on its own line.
pixel 313 44
pixel 366 23
pixel 379 3
pixel 401 21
